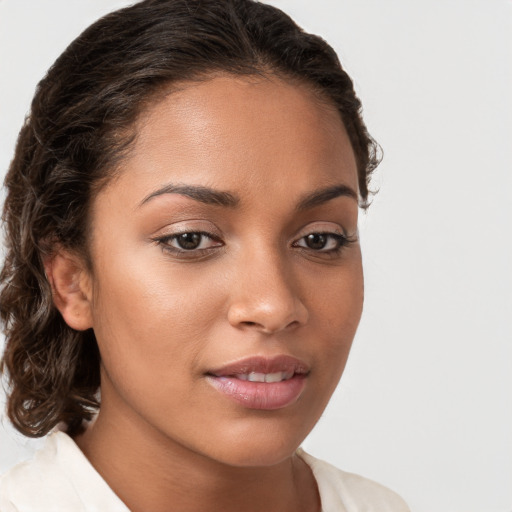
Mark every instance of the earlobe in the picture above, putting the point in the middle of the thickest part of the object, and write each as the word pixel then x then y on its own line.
pixel 71 289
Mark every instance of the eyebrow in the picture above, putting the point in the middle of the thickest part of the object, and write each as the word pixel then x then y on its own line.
pixel 227 199
pixel 197 192
pixel 318 197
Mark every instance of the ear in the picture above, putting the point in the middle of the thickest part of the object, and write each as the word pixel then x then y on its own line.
pixel 71 288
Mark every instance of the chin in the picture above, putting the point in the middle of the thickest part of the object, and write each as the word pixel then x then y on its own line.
pixel 252 455
pixel 265 444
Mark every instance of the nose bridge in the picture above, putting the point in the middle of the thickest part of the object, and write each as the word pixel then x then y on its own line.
pixel 266 295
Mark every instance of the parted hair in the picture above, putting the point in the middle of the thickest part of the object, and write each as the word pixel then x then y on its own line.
pixel 79 128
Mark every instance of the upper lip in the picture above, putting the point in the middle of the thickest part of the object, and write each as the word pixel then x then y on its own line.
pixel 259 364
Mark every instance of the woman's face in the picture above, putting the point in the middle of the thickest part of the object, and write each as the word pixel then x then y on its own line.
pixel 227 283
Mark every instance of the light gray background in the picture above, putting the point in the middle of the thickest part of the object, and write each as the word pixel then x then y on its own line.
pixel 425 405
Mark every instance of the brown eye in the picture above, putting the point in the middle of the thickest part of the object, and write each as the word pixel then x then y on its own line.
pixel 189 241
pixel 322 242
pixel 316 241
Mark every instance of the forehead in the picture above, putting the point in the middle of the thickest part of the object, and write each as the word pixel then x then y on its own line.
pixel 238 132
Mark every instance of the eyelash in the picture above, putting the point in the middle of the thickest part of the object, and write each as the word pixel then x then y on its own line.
pixel 165 241
pixel 341 242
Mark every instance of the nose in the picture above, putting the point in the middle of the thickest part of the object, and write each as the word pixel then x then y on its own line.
pixel 264 297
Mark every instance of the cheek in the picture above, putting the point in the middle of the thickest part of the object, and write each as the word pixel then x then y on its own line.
pixel 337 312
pixel 151 322
pixel 339 293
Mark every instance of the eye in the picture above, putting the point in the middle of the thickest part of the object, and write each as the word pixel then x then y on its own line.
pixel 323 242
pixel 189 241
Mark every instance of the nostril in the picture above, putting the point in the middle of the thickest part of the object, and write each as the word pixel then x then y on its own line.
pixel 267 329
pixel 268 316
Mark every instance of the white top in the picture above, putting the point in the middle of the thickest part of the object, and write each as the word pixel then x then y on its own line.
pixel 60 479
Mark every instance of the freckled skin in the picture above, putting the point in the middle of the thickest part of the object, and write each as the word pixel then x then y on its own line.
pixel 163 319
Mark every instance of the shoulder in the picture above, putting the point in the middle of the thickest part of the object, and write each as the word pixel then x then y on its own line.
pixel 57 478
pixel 34 479
pixel 347 492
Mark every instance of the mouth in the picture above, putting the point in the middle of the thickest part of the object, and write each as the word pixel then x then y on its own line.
pixel 265 377
pixel 261 383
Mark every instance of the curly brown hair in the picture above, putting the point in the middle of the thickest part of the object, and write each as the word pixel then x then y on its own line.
pixel 80 127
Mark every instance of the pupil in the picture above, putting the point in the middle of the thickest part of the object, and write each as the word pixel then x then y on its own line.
pixel 189 240
pixel 316 241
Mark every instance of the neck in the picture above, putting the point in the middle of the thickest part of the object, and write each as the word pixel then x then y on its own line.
pixel 148 471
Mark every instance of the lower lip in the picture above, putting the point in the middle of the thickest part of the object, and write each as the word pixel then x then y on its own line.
pixel 260 395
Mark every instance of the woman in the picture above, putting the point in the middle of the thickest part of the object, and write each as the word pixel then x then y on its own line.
pixel 181 222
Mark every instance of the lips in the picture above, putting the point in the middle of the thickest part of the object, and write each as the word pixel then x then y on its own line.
pixel 265 377
pixel 261 383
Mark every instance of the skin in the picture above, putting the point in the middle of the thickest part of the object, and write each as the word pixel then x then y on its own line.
pixel 162 319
